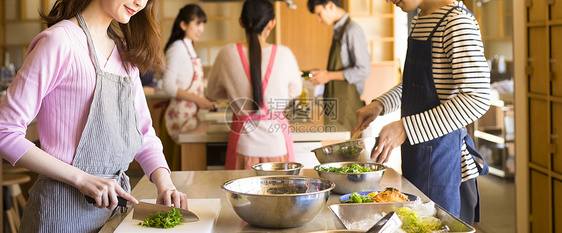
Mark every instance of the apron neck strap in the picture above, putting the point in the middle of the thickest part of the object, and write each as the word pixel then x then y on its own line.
pixel 343 27
pixel 443 18
pixel 187 47
pixel 247 67
pixel 93 54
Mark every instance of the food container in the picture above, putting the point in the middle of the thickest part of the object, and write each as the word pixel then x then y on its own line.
pixel 277 168
pixel 349 213
pixel 278 201
pixel 353 182
pixel 348 151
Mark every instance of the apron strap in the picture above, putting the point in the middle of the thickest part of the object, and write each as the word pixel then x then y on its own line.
pixel 186 47
pixel 192 64
pixel 344 26
pixel 93 55
pixel 267 73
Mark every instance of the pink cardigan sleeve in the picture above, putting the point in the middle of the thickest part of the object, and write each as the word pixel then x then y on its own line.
pixel 150 157
pixel 48 60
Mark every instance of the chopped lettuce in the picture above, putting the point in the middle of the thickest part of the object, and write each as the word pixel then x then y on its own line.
pixel 163 220
pixel 358 198
pixel 353 168
pixel 412 222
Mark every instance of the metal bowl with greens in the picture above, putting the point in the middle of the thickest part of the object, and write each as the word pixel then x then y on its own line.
pixel 352 176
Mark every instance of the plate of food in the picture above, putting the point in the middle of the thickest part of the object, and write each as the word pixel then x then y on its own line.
pixel 388 195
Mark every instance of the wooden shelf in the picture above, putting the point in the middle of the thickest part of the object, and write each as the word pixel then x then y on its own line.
pixel 489 137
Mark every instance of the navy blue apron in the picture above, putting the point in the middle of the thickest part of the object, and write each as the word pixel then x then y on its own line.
pixel 434 167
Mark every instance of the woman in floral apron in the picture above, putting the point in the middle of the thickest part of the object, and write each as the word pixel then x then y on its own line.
pixel 80 81
pixel 183 78
pixel 183 81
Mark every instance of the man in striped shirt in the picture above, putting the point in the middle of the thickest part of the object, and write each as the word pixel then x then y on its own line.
pixel 445 87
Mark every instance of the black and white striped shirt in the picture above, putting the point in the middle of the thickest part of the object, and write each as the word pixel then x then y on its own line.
pixel 461 76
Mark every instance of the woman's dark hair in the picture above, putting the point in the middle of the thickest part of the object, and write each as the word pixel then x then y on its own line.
pixel 256 14
pixel 313 3
pixel 138 41
pixel 187 14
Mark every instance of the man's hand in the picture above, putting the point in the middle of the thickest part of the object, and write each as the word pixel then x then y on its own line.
pixel 320 77
pixel 390 137
pixel 366 115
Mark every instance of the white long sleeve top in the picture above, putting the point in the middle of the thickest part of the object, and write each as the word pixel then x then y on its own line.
pixel 179 67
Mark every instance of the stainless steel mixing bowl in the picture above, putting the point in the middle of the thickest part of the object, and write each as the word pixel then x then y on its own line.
pixel 277 168
pixel 278 201
pixel 348 151
pixel 353 182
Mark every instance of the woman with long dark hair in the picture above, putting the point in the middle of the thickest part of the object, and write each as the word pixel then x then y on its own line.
pixel 260 87
pixel 80 81
pixel 183 79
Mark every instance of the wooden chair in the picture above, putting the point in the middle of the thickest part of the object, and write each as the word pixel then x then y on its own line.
pixel 12 203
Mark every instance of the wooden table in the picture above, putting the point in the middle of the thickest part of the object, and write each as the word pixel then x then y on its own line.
pixel 207 184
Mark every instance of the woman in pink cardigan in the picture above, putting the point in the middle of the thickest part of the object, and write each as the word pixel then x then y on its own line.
pixel 80 81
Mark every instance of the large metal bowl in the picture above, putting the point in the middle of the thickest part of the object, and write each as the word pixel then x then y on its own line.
pixel 348 151
pixel 277 168
pixel 353 182
pixel 278 201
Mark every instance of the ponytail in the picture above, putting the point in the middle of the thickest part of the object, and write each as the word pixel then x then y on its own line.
pixel 256 14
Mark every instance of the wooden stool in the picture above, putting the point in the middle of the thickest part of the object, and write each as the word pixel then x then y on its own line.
pixel 11 202
pixel 15 189
pixel 9 169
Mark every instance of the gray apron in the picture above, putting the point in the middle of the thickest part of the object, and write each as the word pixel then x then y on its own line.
pixel 109 143
pixel 348 98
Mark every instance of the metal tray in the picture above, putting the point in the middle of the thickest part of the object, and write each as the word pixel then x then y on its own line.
pixel 357 212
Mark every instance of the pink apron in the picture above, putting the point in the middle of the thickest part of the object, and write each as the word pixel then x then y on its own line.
pixel 181 115
pixel 239 121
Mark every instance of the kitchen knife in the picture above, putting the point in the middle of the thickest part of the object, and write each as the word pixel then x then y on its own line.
pixel 389 223
pixel 145 210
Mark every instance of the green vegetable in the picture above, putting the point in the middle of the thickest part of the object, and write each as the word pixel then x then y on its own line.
pixel 412 222
pixel 358 198
pixel 353 168
pixel 163 220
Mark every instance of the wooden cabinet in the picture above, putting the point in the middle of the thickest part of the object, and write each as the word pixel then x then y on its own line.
pixel 543 162
pixel 556 10
pixel 556 59
pixel 557 205
pixel 540 202
pixel 377 20
pixel 538 132
pixel 308 39
pixel 537 11
pixel 538 60
pixel 556 138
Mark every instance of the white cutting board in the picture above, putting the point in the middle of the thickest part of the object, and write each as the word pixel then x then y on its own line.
pixel 206 209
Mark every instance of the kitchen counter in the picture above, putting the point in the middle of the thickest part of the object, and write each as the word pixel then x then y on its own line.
pixel 207 184
pixel 214 129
